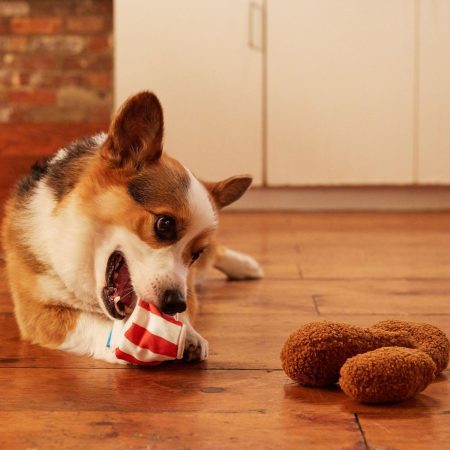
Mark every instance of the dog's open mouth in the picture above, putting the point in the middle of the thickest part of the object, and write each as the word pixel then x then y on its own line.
pixel 118 294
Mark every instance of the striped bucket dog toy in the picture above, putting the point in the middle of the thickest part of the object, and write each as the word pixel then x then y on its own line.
pixel 147 336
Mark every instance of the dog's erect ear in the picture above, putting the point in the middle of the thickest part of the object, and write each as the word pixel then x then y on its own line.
pixel 228 191
pixel 136 132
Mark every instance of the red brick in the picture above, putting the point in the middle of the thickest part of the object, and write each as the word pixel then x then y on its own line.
pixel 23 78
pixel 24 61
pixel 11 113
pixel 96 62
pixel 71 8
pixel 33 97
pixel 72 79
pixel 20 79
pixel 36 25
pixel 104 7
pixel 14 8
pixel 40 78
pixel 99 79
pixel 5 114
pixel 52 79
pixel 13 43
pixel 68 45
pixel 98 43
pixel 4 26
pixel 4 76
pixel 86 25
pixel 75 63
pixel 101 62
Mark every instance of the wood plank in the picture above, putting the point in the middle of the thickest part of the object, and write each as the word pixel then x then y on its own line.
pixel 159 389
pixel 348 246
pixel 383 304
pixel 165 389
pixel 162 389
pixel 169 430
pixel 382 258
pixel 412 431
pixel 332 296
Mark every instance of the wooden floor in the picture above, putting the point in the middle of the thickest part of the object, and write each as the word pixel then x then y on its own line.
pixel 357 268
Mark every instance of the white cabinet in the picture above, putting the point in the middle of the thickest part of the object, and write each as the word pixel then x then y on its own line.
pixel 348 92
pixel 195 55
pixel 340 92
pixel 434 92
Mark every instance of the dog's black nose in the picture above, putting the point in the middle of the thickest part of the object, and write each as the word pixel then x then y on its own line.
pixel 173 302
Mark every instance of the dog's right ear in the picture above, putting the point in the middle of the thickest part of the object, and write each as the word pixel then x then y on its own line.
pixel 228 191
pixel 136 133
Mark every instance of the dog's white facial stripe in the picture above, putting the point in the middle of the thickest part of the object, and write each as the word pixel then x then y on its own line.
pixel 203 215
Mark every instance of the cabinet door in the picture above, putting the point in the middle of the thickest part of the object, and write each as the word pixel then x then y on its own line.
pixel 434 91
pixel 340 92
pixel 195 56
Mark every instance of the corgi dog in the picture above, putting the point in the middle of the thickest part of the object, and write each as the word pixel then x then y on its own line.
pixel 109 220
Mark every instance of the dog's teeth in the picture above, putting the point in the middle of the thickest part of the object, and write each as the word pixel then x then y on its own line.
pixel 117 299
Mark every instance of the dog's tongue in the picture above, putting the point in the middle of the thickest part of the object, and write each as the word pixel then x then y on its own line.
pixel 123 284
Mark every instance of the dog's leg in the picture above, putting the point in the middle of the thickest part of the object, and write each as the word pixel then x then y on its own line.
pixel 89 337
pixel 236 265
pixel 196 347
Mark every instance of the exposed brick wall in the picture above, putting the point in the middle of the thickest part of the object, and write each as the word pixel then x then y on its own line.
pixel 56 60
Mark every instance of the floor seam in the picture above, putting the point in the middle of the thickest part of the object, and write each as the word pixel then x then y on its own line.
pixel 316 306
pixel 361 431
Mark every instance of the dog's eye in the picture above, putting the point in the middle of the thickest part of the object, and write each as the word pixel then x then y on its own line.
pixel 165 228
pixel 197 254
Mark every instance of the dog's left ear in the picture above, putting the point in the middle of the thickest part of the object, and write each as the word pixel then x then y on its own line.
pixel 136 132
pixel 228 191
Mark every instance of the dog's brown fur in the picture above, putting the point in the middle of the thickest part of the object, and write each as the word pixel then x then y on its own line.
pixel 39 319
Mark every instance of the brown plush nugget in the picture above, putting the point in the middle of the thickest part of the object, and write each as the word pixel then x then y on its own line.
pixel 314 354
pixel 389 374
pixel 425 337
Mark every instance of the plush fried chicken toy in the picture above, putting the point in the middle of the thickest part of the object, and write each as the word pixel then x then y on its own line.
pixel 389 362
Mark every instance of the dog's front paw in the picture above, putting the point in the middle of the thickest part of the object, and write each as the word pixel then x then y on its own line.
pixel 196 347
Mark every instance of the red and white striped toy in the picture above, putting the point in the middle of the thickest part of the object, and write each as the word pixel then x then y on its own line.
pixel 147 336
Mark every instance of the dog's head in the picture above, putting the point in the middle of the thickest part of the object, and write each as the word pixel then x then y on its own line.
pixel 154 216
